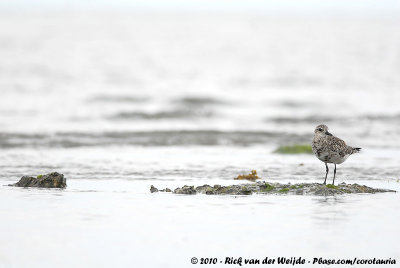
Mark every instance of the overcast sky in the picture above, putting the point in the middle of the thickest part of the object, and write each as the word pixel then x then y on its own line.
pixel 353 6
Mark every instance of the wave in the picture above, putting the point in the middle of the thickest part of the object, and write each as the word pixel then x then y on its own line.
pixel 149 138
pixel 173 114
pixel 327 119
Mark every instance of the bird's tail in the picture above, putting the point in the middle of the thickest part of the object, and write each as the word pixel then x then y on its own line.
pixel 356 150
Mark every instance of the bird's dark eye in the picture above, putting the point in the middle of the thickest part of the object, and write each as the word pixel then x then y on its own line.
pixel 320 129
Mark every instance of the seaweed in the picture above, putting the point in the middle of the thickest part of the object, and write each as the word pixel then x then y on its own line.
pixel 267 187
pixel 332 186
pixel 251 177
pixel 294 149
pixel 283 190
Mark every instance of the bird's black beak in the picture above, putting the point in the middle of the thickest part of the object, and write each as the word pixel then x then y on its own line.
pixel 327 133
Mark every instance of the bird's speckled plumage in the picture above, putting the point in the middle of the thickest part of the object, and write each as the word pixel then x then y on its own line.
pixel 330 149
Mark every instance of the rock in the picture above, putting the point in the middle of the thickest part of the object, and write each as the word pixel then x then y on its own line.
pixel 153 189
pixel 263 187
pixel 51 180
pixel 185 190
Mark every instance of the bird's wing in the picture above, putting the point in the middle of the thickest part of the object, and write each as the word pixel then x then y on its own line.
pixel 336 144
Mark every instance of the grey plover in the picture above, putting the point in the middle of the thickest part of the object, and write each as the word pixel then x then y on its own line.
pixel 330 149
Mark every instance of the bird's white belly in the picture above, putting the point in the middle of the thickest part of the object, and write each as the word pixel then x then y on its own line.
pixel 339 159
pixel 333 158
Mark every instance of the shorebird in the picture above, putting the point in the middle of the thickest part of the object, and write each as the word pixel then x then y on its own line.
pixel 330 149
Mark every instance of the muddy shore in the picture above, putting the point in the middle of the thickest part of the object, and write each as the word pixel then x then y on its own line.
pixel 262 187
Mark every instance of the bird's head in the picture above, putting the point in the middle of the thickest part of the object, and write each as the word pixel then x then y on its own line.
pixel 322 131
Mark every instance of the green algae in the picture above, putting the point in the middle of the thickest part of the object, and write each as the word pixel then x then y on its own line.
pixel 283 190
pixel 245 191
pixel 332 186
pixel 296 186
pixel 267 187
pixel 294 149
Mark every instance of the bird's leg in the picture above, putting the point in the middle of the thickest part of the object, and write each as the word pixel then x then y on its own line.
pixel 327 170
pixel 334 175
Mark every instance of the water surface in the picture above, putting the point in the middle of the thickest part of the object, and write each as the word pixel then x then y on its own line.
pixel 119 102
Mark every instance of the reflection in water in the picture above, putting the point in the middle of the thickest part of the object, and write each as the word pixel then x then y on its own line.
pixel 330 209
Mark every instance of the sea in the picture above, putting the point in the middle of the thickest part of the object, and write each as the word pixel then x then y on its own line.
pixel 120 101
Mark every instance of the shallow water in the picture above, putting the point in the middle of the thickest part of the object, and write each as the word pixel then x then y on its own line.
pixel 103 223
pixel 84 79
pixel 107 216
pixel 119 102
